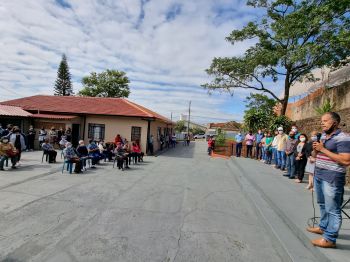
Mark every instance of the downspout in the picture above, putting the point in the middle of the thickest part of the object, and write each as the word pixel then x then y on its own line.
pixel 148 134
pixel 84 127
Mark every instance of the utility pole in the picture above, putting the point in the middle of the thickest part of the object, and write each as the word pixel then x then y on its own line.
pixel 171 118
pixel 188 120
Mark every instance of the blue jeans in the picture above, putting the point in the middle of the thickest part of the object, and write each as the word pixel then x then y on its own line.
pixel 263 153
pixel 330 199
pixel 274 155
pixel 281 159
pixel 291 165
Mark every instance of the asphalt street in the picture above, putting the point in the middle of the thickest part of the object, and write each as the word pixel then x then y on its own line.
pixel 179 206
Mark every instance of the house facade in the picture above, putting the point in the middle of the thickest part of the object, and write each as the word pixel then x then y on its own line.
pixel 95 118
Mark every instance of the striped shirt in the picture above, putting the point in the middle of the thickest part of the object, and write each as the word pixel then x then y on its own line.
pixel 328 169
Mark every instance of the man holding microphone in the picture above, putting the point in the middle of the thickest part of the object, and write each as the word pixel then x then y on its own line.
pixel 332 158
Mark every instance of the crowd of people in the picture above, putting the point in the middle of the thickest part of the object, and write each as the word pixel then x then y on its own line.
pixel 324 156
pixel 13 142
pixel 288 151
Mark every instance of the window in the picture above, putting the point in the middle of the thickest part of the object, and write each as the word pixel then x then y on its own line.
pixel 135 133
pixel 96 131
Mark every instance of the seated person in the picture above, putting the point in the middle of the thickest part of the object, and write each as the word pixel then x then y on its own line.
pixel 118 139
pixel 82 152
pixel 48 149
pixel 94 153
pixel 71 156
pixel 121 156
pixel 128 150
pixel 63 142
pixel 138 154
pixel 103 150
pixel 5 148
pixel 109 151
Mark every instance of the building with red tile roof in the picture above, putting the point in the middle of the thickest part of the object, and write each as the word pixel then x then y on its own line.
pixel 92 117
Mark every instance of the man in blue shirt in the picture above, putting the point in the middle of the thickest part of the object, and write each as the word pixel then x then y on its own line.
pixel 258 137
pixel 239 140
pixel 333 156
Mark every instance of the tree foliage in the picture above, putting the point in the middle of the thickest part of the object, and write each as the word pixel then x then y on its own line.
pixel 260 114
pixel 197 130
pixel 180 126
pixel 294 37
pixel 63 85
pixel 110 83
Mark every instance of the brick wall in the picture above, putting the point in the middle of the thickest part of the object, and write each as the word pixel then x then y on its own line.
pixel 305 107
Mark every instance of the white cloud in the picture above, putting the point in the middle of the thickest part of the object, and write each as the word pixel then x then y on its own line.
pixel 164 46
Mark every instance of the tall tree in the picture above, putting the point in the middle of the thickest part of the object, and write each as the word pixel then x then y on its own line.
pixel 294 37
pixel 63 85
pixel 110 83
pixel 259 113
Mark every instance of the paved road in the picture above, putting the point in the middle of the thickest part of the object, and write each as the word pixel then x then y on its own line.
pixel 179 206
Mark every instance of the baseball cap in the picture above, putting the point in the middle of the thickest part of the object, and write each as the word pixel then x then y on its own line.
pixel 280 128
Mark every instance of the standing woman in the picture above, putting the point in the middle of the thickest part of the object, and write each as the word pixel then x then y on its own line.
pixel 17 139
pixel 42 136
pixel 30 138
pixel 310 166
pixel 301 158
pixel 268 148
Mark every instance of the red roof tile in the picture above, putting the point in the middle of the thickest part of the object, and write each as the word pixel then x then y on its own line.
pixel 83 105
pixel 6 110
pixel 48 116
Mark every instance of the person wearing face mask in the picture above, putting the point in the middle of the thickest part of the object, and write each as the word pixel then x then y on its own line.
pixel 274 148
pixel 310 165
pixel 94 153
pixel 290 148
pixel 5 149
pixel 71 155
pixel 281 141
pixel 295 131
pixel 300 158
pixel 258 137
pixel 239 140
pixel 249 141
pixel 332 159
pixel 268 148
pixel 30 138
pixel 18 140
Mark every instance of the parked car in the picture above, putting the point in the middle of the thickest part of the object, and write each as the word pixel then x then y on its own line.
pixel 199 136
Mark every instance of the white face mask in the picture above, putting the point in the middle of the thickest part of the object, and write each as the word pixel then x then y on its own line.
pixel 314 138
pixel 294 129
pixel 302 139
pixel 280 131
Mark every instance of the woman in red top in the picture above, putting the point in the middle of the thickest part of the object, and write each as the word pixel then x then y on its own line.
pixel 138 154
pixel 210 145
pixel 118 139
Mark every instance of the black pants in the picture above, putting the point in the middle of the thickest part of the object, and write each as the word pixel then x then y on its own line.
pixel 300 168
pixel 258 152
pixel 30 142
pixel 150 148
pixel 238 149
pixel 52 156
pixel 249 150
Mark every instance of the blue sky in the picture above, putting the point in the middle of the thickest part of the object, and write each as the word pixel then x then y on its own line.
pixel 163 46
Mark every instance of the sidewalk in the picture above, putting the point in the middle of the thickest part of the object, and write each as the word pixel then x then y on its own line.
pixel 292 204
pixel 31 168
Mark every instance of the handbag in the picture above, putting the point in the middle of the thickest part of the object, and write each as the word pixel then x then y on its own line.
pixel 11 153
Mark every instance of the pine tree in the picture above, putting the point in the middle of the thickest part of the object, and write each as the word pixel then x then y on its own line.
pixel 63 85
